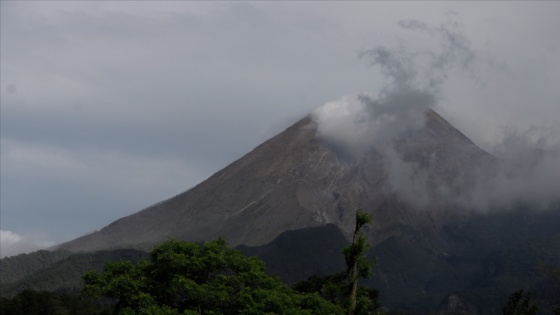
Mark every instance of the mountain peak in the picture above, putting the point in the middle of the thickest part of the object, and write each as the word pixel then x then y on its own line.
pixel 294 180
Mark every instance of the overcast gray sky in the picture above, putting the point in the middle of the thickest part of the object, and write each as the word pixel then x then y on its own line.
pixel 109 107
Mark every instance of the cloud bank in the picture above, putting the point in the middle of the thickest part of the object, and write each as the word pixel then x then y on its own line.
pixel 12 244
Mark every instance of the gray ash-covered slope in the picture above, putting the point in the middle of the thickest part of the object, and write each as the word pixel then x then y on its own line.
pixel 297 180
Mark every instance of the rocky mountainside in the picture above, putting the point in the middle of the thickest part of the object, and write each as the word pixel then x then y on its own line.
pixel 297 180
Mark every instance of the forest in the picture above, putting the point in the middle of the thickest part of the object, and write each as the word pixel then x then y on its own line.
pixel 180 277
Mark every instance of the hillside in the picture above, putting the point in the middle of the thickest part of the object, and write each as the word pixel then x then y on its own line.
pixel 17 267
pixel 60 275
pixel 481 260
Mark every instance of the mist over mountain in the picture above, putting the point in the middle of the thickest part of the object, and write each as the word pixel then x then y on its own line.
pixel 529 168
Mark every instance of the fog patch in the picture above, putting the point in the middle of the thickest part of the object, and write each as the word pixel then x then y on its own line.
pixel 528 173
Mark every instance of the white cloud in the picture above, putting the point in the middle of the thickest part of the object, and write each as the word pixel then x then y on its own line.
pixel 12 244
pixel 343 122
pixel 9 238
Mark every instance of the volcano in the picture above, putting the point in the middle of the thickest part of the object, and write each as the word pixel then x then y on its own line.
pixel 298 180
pixel 292 200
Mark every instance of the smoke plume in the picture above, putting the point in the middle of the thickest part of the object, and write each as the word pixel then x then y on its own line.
pixel 413 81
pixel 528 169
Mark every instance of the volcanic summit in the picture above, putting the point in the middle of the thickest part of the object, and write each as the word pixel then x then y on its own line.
pixel 299 179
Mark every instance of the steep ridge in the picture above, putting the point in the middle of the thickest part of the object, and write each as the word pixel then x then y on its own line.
pixel 297 180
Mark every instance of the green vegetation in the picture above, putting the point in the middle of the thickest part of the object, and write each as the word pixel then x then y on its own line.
pixel 18 267
pixel 63 275
pixel 520 304
pixel 554 275
pixel 29 302
pixel 482 261
pixel 342 288
pixel 211 278
pixel 358 265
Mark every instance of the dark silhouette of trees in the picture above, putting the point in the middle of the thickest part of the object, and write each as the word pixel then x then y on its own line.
pixel 520 304
pixel 554 275
pixel 30 302
pixel 210 278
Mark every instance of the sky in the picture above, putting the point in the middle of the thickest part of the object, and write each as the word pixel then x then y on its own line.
pixel 109 107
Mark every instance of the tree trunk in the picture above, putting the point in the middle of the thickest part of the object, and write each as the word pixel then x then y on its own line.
pixel 353 275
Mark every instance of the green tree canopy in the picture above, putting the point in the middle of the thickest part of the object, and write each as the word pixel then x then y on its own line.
pixel 189 278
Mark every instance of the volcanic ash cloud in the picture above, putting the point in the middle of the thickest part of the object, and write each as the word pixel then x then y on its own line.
pixel 360 123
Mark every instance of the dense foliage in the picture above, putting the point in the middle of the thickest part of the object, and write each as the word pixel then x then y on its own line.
pixel 335 288
pixel 63 275
pixel 30 302
pixel 554 275
pixel 190 278
pixel 520 304
pixel 15 268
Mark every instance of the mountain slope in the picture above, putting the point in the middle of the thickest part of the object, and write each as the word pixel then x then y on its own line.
pixel 17 267
pixel 296 180
pixel 479 260
pixel 63 274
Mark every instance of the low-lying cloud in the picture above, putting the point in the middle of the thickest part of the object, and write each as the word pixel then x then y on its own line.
pixel 12 244
pixel 528 173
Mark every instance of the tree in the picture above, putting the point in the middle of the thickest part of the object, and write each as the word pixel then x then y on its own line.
pixel 342 288
pixel 30 302
pixel 554 274
pixel 355 254
pixel 519 304
pixel 550 287
pixel 189 278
